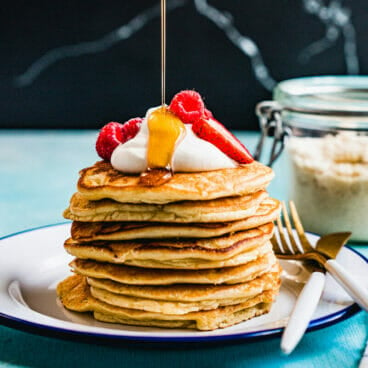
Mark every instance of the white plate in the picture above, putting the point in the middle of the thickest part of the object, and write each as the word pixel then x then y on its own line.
pixel 34 261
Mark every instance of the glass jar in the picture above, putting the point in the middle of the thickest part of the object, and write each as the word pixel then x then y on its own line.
pixel 322 122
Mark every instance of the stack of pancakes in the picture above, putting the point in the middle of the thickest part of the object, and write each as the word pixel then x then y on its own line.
pixel 194 252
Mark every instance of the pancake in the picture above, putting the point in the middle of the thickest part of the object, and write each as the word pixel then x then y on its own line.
pixel 103 181
pixel 168 260
pixel 230 250
pixel 150 305
pixel 75 295
pixel 92 231
pixel 143 276
pixel 216 210
pixel 181 299
pixel 190 292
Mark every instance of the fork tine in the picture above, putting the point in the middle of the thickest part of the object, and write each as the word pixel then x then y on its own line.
pixel 299 227
pixel 294 246
pixel 275 245
pixel 282 237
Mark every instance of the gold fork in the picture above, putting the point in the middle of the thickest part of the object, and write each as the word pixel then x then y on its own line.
pixel 323 256
pixel 327 246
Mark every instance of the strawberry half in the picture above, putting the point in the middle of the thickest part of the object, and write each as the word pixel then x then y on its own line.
pixel 214 132
pixel 188 106
pixel 113 134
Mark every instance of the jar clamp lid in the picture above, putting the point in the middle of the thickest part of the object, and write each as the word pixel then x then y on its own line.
pixel 321 103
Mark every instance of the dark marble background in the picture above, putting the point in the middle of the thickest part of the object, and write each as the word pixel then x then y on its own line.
pixel 73 64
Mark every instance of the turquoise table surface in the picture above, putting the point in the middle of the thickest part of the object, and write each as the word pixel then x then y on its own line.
pixel 38 173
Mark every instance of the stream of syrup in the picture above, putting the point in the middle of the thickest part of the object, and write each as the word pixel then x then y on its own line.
pixel 163 52
pixel 165 129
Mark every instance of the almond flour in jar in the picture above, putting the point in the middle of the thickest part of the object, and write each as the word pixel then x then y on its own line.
pixel 322 124
pixel 330 183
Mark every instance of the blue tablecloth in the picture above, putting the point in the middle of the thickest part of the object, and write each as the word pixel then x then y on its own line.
pixel 38 173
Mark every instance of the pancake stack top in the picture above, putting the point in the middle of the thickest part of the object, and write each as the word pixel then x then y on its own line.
pixel 191 252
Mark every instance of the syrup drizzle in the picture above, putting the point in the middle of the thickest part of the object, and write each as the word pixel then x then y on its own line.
pixel 163 52
pixel 165 129
pixel 165 132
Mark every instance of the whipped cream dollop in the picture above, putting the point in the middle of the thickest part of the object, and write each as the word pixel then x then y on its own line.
pixel 192 153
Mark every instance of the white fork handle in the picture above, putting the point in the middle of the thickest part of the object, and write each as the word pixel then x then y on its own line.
pixel 351 285
pixel 302 313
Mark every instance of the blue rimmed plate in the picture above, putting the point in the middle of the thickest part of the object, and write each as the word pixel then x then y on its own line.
pixel 34 261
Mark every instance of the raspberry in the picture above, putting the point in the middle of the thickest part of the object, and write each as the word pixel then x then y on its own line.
pixel 109 138
pixel 207 114
pixel 113 134
pixel 130 129
pixel 188 106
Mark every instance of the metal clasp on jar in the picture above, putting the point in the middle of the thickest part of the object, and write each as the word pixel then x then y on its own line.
pixel 270 121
